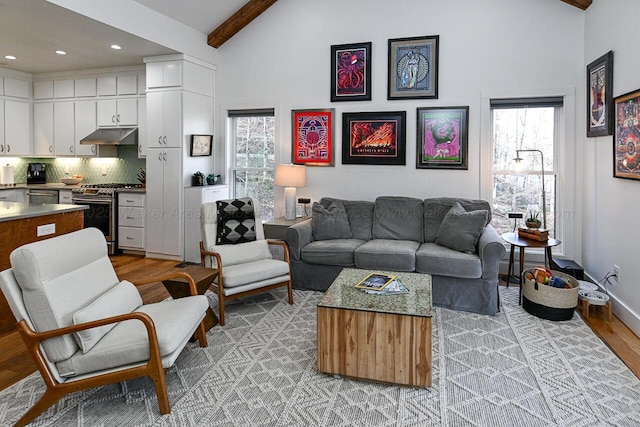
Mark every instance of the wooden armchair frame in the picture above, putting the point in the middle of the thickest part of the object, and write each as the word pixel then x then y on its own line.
pixel 153 368
pixel 219 287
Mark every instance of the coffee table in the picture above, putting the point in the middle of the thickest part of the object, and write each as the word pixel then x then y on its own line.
pixel 385 338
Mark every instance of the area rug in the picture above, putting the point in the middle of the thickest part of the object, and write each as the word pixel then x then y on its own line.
pixel 511 369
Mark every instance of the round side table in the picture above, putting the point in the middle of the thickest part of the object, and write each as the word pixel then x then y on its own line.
pixel 515 240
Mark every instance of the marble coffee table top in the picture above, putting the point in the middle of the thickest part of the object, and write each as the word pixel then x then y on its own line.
pixel 343 294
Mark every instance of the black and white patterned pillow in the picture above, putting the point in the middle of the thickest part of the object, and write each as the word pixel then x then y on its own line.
pixel 236 222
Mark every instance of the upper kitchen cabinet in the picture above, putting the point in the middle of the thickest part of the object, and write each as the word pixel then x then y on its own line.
pixel 118 85
pixel 64 143
pixel 43 89
pixel 17 88
pixel 17 128
pixel 164 119
pixel 85 87
pixel 63 88
pixel 117 112
pixel 43 128
pixel 164 74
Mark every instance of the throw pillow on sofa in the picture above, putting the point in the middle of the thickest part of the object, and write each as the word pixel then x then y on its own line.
pixel 460 230
pixel 236 221
pixel 331 222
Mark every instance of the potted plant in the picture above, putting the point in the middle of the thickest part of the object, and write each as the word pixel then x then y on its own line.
pixel 533 220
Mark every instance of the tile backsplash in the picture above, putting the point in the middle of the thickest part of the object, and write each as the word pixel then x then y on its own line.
pixel 123 168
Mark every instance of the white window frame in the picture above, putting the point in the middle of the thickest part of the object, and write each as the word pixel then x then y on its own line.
pixel 567 219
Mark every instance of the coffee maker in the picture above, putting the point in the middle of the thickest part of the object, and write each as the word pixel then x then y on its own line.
pixel 36 173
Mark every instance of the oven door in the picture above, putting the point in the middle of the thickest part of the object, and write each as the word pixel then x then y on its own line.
pixel 99 215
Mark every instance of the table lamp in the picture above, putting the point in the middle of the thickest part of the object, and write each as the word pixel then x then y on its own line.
pixel 290 177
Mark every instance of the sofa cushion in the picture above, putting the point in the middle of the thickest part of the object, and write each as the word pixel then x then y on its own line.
pixel 360 214
pixel 331 252
pixel 460 229
pixel 330 222
pixel 236 222
pixel 250 272
pixel 435 210
pixel 386 254
pixel 434 259
pixel 398 218
pixel 121 299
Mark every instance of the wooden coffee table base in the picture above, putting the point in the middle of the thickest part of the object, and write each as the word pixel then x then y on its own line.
pixel 385 347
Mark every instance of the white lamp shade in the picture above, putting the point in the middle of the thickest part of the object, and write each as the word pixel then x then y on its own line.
pixel 291 176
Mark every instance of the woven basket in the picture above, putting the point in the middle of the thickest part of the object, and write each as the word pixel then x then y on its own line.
pixel 548 302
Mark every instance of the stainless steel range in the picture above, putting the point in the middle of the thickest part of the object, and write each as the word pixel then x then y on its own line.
pixel 102 212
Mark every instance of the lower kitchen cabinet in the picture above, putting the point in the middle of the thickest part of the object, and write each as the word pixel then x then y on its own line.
pixel 131 221
pixel 194 197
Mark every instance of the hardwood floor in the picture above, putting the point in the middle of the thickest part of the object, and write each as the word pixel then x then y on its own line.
pixel 16 364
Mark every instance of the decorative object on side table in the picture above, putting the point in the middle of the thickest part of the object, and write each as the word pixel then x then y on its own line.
pixel 290 177
pixel 626 142
pixel 533 220
pixel 599 96
pixel 374 138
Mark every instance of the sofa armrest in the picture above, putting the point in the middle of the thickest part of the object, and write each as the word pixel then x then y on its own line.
pixel 297 237
pixel 491 250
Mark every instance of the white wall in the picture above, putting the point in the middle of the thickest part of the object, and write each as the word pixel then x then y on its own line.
pixel 610 226
pixel 283 59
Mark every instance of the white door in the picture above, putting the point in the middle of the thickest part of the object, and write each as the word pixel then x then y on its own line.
pixel 155 201
pixel 155 121
pixel 17 128
pixel 63 129
pixel 172 118
pixel 43 129
pixel 173 224
pixel 127 112
pixel 85 125
pixel 107 113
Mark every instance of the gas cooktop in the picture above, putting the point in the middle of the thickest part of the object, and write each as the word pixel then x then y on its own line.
pixel 108 189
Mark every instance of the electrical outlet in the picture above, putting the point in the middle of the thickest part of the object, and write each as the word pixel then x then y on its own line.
pixel 616 271
pixel 104 171
pixel 66 170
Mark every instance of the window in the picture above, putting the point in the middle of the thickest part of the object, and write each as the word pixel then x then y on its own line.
pixel 252 134
pixel 524 124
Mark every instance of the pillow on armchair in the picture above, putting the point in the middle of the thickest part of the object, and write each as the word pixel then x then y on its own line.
pixel 460 230
pixel 331 222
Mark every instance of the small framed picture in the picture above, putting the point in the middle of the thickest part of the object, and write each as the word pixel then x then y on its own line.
pixel 626 141
pixel 201 145
pixel 413 68
pixel 600 96
pixel 312 137
pixel 442 140
pixel 351 72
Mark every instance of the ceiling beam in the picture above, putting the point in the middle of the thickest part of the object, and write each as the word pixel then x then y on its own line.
pixel 582 4
pixel 238 21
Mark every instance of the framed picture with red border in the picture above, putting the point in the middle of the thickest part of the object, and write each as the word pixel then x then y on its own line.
pixel 312 137
pixel 374 138
pixel 626 141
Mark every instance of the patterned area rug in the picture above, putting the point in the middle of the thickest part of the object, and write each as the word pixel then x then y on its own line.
pixel 511 369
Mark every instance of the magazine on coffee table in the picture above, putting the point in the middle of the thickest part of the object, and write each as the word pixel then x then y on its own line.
pixel 375 281
pixel 396 287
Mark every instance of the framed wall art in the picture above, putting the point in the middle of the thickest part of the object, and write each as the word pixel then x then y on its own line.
pixel 375 138
pixel 201 145
pixel 626 141
pixel 413 68
pixel 599 96
pixel 351 72
pixel 312 137
pixel 442 140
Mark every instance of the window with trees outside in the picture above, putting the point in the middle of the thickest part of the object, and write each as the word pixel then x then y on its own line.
pixel 524 124
pixel 252 135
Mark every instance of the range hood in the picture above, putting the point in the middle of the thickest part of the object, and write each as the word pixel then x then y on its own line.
pixel 112 136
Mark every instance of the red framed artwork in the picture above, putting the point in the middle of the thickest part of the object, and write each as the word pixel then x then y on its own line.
pixel 374 138
pixel 312 137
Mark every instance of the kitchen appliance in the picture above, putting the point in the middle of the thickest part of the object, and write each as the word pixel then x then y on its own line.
pixel 36 173
pixel 39 197
pixel 102 212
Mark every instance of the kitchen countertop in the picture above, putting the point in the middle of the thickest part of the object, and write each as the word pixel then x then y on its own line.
pixel 10 211
pixel 61 186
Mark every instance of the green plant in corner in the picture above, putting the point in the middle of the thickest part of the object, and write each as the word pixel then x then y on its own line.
pixel 533 219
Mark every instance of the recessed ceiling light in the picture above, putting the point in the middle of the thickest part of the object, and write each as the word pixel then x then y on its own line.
pixel 115 46
pixel 9 57
pixel 61 52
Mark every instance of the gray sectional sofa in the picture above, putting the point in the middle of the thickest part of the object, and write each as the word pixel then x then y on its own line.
pixel 450 238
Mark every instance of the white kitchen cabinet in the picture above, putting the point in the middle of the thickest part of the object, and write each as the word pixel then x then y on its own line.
pixel 17 129
pixel 164 74
pixel 127 85
pixel 43 89
pixel 142 128
pixel 194 197
pixel 131 221
pixel 63 129
pixel 107 86
pixel 164 119
pixel 43 129
pixel 85 124
pixel 8 196
pixel 164 227
pixel 85 87
pixel 64 197
pixel 117 112
pixel 16 87
pixel 63 88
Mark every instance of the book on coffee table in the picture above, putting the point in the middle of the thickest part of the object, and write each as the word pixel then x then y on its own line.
pixel 375 281
pixel 396 287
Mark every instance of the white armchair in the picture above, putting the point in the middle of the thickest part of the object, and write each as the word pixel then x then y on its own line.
pixel 85 328
pixel 246 267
